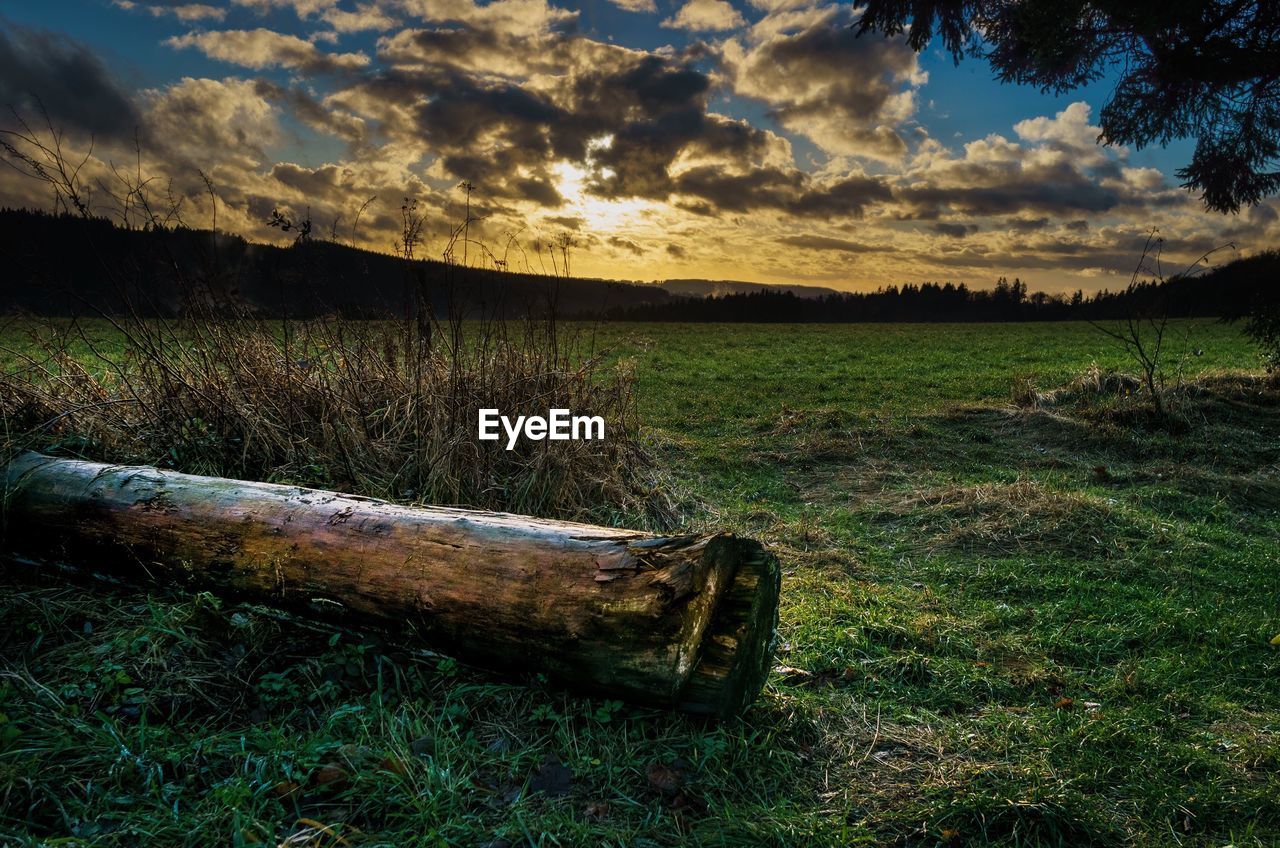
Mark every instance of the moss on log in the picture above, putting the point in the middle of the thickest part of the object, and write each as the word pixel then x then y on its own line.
pixel 681 621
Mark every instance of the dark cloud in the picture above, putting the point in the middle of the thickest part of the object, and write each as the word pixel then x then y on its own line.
pixel 1030 183
pixel 626 244
pixel 784 189
pixel 540 191
pixel 1027 225
pixel 654 83
pixel 640 157
pixel 624 116
pixel 848 197
pixel 1263 214
pixel 696 207
pixel 494 133
pixel 73 85
pixel 1116 254
pixel 757 189
pixel 954 230
pixel 1064 193
pixel 314 114
pixel 812 242
pixel 461 110
pixel 568 222
pixel 1084 259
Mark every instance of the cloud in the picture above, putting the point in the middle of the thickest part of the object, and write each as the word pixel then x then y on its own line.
pixel 513 17
pixel 954 230
pixel 627 244
pixel 327 119
pixel 366 16
pixel 774 6
pixel 499 106
pixel 185 12
pixel 1147 179
pixel 1059 191
pixel 263 48
pixel 566 222
pixel 511 107
pixel 1069 129
pixel 635 5
pixel 705 16
pixel 302 8
pixel 1050 177
pixel 825 243
pixel 1027 225
pixel 205 123
pixel 848 95
pixel 65 77
pixel 1263 213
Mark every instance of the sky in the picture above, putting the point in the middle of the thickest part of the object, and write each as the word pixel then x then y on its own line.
pixel 757 140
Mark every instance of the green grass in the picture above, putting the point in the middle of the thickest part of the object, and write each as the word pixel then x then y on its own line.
pixel 1000 627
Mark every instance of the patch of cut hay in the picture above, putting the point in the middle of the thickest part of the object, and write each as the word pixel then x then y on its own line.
pixel 1091 385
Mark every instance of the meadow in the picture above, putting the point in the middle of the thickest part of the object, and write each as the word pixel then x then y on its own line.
pixel 1002 624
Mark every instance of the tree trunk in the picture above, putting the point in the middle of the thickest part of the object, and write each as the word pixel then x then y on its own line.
pixel 682 621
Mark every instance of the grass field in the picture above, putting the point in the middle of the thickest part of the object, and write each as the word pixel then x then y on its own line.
pixel 1001 626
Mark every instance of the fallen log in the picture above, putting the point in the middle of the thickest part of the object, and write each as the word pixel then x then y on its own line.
pixel 677 621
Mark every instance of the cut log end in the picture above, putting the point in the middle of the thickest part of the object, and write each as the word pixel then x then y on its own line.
pixel 738 644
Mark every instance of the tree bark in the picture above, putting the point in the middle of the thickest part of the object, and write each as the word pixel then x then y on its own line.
pixel 682 621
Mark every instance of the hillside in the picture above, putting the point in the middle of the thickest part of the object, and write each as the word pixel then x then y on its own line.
pixel 65 264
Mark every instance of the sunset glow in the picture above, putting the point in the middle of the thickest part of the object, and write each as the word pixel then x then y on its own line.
pixel 759 140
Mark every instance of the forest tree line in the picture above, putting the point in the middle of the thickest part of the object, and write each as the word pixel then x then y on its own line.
pixel 1230 291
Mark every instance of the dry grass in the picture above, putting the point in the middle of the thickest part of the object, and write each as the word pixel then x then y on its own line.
pixel 1091 385
pixel 1024 516
pixel 383 409
pixel 1122 396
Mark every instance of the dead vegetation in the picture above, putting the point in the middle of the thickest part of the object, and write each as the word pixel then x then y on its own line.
pixel 1110 396
pixel 1092 385
pixel 371 408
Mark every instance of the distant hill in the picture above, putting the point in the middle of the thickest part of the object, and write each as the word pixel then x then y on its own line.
pixel 718 288
pixel 62 264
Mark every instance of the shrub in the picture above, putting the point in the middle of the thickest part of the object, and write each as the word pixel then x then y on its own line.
pixel 1263 326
